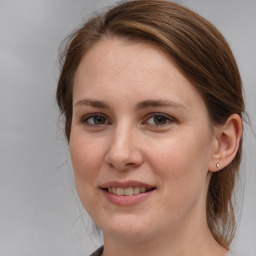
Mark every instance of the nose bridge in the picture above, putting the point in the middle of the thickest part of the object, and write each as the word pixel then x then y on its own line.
pixel 123 150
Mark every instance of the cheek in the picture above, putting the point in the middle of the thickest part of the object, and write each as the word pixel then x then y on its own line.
pixel 81 157
pixel 86 160
pixel 86 153
pixel 182 165
pixel 179 155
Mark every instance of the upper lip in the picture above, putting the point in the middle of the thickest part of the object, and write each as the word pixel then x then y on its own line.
pixel 126 184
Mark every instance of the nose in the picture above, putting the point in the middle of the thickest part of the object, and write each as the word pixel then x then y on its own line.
pixel 124 152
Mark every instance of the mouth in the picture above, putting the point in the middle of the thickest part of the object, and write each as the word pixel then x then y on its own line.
pixel 129 191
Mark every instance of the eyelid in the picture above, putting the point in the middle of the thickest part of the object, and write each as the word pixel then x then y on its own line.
pixel 169 119
pixel 84 119
pixel 152 115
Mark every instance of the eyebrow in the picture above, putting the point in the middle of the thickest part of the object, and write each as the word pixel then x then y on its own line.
pixel 92 103
pixel 141 105
pixel 159 103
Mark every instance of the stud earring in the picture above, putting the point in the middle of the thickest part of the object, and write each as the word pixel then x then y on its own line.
pixel 218 166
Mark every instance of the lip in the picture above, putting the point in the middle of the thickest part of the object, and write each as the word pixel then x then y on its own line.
pixel 126 200
pixel 126 184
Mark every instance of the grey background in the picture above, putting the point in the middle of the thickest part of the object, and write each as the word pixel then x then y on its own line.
pixel 39 211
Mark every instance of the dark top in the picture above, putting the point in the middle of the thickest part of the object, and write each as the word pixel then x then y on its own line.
pixel 98 252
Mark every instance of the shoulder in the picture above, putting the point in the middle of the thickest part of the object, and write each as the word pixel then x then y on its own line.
pixel 98 252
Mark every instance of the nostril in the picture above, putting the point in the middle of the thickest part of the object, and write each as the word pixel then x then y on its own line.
pixel 129 164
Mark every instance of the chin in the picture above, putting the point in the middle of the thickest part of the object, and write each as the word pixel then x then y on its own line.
pixel 130 229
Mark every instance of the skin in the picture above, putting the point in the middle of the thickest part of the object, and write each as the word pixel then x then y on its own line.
pixel 122 85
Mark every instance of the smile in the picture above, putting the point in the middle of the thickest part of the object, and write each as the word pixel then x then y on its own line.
pixel 128 191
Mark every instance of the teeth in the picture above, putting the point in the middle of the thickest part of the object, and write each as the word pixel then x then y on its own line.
pixel 142 190
pixel 120 191
pixel 127 191
pixel 136 190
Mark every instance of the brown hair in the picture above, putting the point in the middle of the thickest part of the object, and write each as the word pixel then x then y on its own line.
pixel 205 59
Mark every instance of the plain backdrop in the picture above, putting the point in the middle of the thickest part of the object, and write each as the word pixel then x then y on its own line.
pixel 40 214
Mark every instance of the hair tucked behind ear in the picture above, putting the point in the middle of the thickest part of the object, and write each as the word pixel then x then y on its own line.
pixel 205 59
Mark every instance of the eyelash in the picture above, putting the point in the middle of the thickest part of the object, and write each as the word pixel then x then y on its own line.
pixel 167 120
pixel 85 119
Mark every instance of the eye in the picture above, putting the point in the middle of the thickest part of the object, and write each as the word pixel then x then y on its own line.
pixel 158 119
pixel 96 119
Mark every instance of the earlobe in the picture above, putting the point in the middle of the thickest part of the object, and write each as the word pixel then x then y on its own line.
pixel 227 140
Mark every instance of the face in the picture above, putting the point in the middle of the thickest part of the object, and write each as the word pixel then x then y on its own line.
pixel 141 142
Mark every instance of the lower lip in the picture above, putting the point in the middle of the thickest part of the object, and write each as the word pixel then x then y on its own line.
pixel 127 200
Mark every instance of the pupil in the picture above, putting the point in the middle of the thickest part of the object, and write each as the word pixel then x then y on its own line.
pixel 99 120
pixel 160 120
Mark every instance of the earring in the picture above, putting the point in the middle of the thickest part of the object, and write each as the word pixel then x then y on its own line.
pixel 218 166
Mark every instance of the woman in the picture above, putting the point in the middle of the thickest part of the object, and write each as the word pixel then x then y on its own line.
pixel 152 99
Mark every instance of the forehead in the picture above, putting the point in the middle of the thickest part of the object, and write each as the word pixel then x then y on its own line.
pixel 116 54
pixel 119 68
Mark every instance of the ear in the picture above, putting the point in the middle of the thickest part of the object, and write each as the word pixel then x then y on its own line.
pixel 226 143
